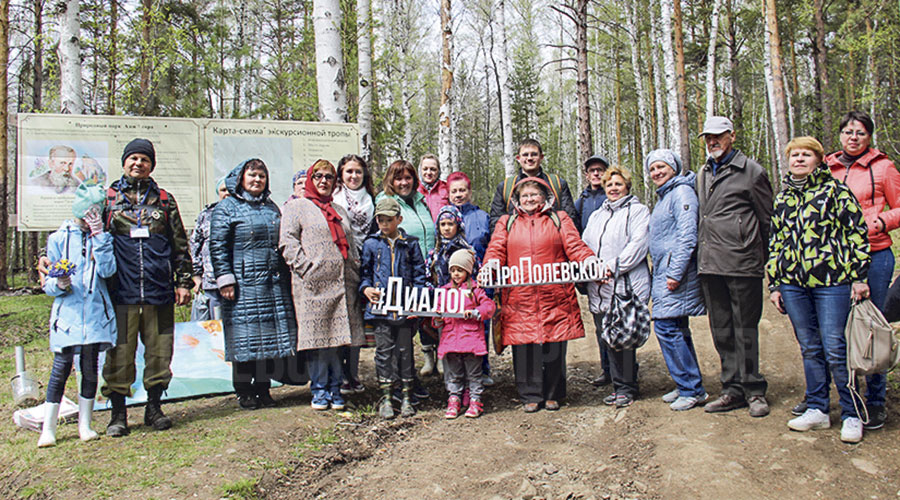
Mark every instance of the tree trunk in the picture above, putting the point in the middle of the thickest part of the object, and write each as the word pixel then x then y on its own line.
pixel 820 53
pixel 685 145
pixel 737 99
pixel 672 105
pixel 146 49
pixel 658 85
pixel 237 81
pixel 582 89
pixel 870 71
pixel 711 62
pixel 37 86
pixel 776 86
pixel 112 63
pixel 617 89
pixel 4 137
pixel 642 142
pixel 71 99
pixel 332 89
pixel 445 126
pixel 509 152
pixel 364 46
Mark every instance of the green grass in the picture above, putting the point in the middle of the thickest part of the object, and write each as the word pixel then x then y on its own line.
pixel 316 442
pixel 242 489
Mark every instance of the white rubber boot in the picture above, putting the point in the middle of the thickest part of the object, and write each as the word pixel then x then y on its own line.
pixel 85 412
pixel 48 432
pixel 429 367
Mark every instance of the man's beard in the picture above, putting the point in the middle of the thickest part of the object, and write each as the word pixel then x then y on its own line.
pixel 60 181
pixel 717 154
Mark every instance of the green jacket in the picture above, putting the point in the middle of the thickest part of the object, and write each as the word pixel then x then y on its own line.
pixel 818 235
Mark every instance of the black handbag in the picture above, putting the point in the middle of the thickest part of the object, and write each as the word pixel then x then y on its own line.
pixel 626 323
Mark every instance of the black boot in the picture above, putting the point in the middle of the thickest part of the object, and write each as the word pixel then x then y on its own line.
pixel 263 396
pixel 118 418
pixel 153 415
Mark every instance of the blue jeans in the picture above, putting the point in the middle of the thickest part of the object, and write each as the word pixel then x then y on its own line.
pixel 677 346
pixel 881 269
pixel 819 316
pixel 324 373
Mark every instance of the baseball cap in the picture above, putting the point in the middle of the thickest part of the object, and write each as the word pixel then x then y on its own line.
pixel 715 125
pixel 387 206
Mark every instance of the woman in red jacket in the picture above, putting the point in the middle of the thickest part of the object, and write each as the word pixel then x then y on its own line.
pixel 875 182
pixel 538 320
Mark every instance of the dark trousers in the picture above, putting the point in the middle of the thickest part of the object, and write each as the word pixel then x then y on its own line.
pixel 62 367
pixel 540 371
pixel 604 349
pixel 349 363
pixel 155 327
pixel 734 306
pixel 252 377
pixel 621 366
pixel 394 351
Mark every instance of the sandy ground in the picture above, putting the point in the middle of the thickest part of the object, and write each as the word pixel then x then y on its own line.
pixel 588 450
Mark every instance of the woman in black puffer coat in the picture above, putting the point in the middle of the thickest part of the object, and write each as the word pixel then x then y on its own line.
pixel 254 282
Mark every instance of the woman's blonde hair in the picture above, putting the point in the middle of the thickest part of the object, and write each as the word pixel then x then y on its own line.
pixel 617 170
pixel 321 165
pixel 805 142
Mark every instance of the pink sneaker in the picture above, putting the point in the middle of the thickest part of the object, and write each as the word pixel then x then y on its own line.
pixel 465 397
pixel 475 409
pixel 453 407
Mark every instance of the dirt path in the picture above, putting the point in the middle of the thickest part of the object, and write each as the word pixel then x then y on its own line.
pixel 588 450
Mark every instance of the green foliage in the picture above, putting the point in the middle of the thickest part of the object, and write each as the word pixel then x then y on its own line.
pixel 241 489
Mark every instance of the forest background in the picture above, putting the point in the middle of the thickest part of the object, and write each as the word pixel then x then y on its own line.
pixel 465 80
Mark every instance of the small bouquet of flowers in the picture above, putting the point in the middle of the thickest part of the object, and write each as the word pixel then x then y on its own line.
pixel 62 268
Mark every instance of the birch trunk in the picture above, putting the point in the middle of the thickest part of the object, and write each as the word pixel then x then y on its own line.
pixel 775 85
pixel 870 71
pixel 37 87
pixel 631 26
pixel 820 53
pixel 330 82
pixel 658 84
pixel 503 83
pixel 672 114
pixel 71 99
pixel 585 143
pixel 4 136
pixel 113 62
pixel 737 99
pixel 364 46
pixel 711 62
pixel 146 19
pixel 445 127
pixel 685 142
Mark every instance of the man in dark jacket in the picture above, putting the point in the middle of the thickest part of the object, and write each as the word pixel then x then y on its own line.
pixel 593 195
pixel 530 157
pixel 154 273
pixel 735 208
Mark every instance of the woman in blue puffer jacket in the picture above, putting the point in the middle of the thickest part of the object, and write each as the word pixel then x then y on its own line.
pixel 675 287
pixel 254 283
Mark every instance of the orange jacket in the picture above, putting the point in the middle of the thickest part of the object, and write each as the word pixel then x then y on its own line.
pixel 875 182
pixel 545 313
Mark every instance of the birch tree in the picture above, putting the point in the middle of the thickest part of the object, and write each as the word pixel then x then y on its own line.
pixel 631 26
pixel 70 91
pixel 502 69
pixel 819 54
pixel 445 130
pixel 4 138
pixel 672 113
pixel 585 142
pixel 329 61
pixel 711 61
pixel 681 94
pixel 775 85
pixel 364 45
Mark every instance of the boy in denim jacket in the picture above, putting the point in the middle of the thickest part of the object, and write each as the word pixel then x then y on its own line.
pixel 391 253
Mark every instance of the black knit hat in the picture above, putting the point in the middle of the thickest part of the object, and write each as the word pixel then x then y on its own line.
pixel 142 146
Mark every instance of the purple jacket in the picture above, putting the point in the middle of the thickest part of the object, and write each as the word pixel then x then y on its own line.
pixel 466 335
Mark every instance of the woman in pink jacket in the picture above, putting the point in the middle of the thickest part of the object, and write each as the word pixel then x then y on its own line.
pixel 875 182
pixel 462 339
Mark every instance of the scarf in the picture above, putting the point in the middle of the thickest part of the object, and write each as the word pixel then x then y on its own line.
pixel 331 216
pixel 359 207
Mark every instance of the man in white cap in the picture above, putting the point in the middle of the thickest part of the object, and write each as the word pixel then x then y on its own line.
pixel 735 208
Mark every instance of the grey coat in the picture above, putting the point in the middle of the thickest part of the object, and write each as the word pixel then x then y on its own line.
pixel 324 284
pixel 735 207
pixel 618 232
pixel 673 244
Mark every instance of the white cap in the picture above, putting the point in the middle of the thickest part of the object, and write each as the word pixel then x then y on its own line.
pixel 715 125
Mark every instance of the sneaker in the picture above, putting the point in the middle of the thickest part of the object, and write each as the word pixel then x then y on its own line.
pixel 877 416
pixel 531 407
pixel 799 408
pixel 759 407
pixel 610 400
pixel 670 396
pixel 725 402
pixel 487 381
pixel 337 402
pixel 475 409
pixel 358 387
pixel 466 399
pixel 683 403
pixel 248 402
pixel 453 407
pixel 623 400
pixel 812 418
pixel 319 402
pixel 420 392
pixel 551 405
pixel 852 430
pixel 347 389
pixel 602 380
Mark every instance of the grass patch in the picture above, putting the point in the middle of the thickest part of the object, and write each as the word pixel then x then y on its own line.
pixel 316 442
pixel 242 489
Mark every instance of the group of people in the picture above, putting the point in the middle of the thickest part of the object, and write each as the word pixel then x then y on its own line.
pixel 308 277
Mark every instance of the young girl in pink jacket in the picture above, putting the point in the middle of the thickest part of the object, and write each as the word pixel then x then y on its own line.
pixel 462 339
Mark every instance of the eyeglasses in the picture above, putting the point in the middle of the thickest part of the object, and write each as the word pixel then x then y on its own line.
pixel 528 196
pixel 851 133
pixel 327 177
pixel 595 171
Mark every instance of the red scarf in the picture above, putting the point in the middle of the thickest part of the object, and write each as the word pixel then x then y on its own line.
pixel 331 216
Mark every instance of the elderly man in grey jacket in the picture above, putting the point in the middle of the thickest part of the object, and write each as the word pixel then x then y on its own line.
pixel 735 207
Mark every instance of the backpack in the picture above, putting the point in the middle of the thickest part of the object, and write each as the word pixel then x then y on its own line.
pixel 112 197
pixel 509 184
pixel 871 347
pixel 553 217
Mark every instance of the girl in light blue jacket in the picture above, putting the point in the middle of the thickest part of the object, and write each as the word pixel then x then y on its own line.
pixel 83 320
